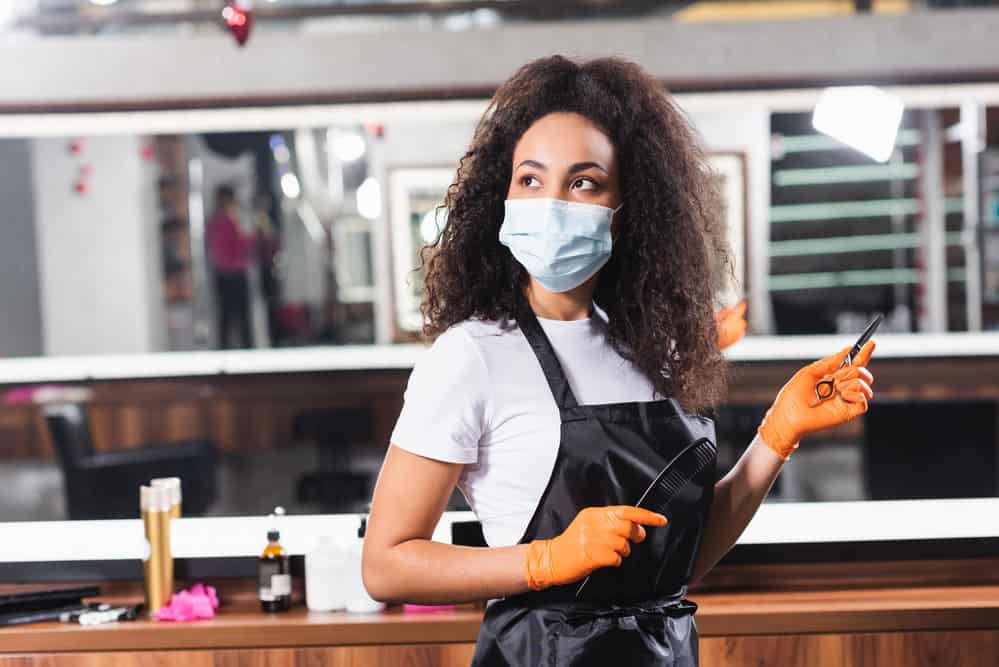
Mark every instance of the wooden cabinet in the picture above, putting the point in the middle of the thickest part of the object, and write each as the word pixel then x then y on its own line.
pixel 863 627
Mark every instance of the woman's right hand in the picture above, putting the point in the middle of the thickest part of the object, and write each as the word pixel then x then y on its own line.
pixel 597 537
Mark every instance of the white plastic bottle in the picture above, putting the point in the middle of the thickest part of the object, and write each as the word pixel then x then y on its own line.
pixel 358 599
pixel 323 585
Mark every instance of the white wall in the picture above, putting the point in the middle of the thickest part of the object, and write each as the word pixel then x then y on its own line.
pixel 98 253
pixel 20 320
pixel 430 143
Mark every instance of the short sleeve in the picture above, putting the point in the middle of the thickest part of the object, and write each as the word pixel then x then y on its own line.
pixel 443 412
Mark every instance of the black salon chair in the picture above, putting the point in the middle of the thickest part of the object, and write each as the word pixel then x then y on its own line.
pixel 930 449
pixel 338 433
pixel 106 485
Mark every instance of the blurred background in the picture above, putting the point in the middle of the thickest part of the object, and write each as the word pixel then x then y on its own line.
pixel 184 176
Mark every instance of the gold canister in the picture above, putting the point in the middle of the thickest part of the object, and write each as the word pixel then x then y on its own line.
pixel 173 484
pixel 165 517
pixel 152 558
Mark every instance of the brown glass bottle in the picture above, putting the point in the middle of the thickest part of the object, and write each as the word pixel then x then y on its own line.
pixel 274 575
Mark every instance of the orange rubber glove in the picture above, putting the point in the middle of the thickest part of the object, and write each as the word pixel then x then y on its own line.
pixel 731 325
pixel 597 537
pixel 796 411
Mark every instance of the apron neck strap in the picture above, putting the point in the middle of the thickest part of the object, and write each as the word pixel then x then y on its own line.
pixel 543 350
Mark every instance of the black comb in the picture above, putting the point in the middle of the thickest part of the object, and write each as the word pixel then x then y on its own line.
pixel 677 474
pixel 671 480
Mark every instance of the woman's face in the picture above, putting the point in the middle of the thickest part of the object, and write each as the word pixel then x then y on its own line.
pixel 564 156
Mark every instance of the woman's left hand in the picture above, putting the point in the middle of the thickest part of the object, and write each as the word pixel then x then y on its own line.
pixel 797 411
pixel 731 324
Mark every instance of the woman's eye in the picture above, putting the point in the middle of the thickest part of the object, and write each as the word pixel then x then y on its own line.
pixel 584 184
pixel 529 182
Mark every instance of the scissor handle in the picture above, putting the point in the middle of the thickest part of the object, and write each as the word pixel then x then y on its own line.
pixel 824 389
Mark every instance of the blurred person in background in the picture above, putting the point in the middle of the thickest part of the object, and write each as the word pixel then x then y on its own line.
pixel 229 253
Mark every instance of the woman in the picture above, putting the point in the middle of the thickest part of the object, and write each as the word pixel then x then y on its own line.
pixel 571 294
pixel 229 251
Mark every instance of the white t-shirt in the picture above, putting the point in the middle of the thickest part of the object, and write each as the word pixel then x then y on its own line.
pixel 478 397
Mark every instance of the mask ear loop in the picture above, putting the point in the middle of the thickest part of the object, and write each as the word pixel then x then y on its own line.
pixel 613 213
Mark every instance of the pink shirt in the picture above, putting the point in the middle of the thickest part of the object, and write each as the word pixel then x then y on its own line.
pixel 228 247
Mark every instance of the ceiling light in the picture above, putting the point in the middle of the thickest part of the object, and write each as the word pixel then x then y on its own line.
pixel 369 199
pixel 290 185
pixel 862 117
pixel 346 146
pixel 282 154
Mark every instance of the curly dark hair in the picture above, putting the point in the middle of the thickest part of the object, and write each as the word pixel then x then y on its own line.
pixel 659 286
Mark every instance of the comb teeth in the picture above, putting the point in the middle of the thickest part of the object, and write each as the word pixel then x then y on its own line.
pixel 686 469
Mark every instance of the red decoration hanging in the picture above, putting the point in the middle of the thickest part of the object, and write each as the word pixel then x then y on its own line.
pixel 238 17
pixel 76 146
pixel 147 152
pixel 80 187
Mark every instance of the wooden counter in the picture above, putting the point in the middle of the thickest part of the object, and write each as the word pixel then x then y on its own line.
pixel 245 626
pixel 952 625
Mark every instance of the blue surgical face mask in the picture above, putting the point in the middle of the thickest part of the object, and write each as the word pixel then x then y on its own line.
pixel 561 243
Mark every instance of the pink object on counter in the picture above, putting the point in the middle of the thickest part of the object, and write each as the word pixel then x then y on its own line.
pixel 196 603
pixel 422 608
pixel 47 393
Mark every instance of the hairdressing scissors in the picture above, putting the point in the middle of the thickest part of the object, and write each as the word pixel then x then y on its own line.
pixel 826 388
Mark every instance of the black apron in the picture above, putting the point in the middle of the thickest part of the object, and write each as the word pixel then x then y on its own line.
pixel 635 614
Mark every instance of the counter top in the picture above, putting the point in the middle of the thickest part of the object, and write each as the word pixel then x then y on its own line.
pixel 721 614
pixel 403 356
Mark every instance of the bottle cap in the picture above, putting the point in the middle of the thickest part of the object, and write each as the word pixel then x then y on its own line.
pixel 273 534
pixel 145 498
pixel 154 499
pixel 171 483
pixel 162 498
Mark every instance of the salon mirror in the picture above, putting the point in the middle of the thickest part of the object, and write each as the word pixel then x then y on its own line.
pixel 142 241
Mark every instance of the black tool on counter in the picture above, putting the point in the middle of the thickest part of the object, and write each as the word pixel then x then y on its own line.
pixel 43 605
pixel 101 614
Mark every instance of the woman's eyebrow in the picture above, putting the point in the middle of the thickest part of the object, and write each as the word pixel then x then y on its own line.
pixel 532 163
pixel 579 166
pixel 583 166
